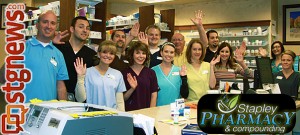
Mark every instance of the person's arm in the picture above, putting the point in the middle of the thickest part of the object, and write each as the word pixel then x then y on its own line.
pixel 184 89
pixel 133 84
pixel 80 92
pixel 212 78
pixel 198 22
pixel 59 36
pixel 61 90
pixel 153 99
pixel 245 71
pixel 132 34
pixel 120 101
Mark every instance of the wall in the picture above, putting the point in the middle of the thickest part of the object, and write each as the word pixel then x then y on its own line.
pixel 295 48
pixel 216 11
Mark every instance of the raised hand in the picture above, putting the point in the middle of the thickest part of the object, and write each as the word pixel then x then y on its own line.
pixel 198 18
pixel 183 71
pixel 79 66
pixel 242 49
pixel 132 81
pixel 135 30
pixel 239 57
pixel 143 38
pixel 58 36
pixel 214 61
pixel 263 52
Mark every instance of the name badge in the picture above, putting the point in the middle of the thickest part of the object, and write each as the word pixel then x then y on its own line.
pixel 159 58
pixel 279 77
pixel 175 73
pixel 52 60
pixel 125 61
pixel 111 76
pixel 205 72
pixel 230 70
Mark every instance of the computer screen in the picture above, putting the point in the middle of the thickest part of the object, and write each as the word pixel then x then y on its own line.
pixel 264 70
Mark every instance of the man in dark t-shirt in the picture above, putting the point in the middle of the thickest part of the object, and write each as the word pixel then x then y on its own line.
pixel 74 48
pixel 213 44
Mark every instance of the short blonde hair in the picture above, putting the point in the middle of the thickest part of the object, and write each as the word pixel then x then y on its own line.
pixel 108 46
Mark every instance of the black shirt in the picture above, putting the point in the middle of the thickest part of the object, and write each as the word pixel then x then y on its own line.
pixel 155 59
pixel 209 55
pixel 119 64
pixel 88 58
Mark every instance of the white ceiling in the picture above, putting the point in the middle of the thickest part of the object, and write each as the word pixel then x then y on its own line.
pixel 164 3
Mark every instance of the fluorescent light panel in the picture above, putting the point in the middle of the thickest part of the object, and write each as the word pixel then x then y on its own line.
pixel 152 1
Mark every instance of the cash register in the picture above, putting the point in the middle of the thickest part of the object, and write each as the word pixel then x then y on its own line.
pixel 72 118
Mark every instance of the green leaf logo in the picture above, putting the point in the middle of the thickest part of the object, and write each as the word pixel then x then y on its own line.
pixel 233 102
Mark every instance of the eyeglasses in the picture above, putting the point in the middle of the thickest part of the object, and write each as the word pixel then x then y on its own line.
pixel 179 39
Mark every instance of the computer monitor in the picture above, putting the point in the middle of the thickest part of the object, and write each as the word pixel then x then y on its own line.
pixel 264 71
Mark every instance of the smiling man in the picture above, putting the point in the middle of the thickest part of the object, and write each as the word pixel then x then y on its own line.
pixel 46 62
pixel 80 30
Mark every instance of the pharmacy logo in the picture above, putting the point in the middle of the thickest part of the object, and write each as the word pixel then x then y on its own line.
pixel 226 105
pixel 246 114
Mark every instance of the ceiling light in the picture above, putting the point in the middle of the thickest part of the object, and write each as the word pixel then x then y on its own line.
pixel 152 1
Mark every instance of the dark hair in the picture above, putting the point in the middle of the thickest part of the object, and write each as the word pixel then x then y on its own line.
pixel 230 61
pixel 210 31
pixel 114 32
pixel 272 46
pixel 152 26
pixel 138 46
pixel 189 50
pixel 167 43
pixel 74 20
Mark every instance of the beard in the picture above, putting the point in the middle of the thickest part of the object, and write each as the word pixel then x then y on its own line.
pixel 120 44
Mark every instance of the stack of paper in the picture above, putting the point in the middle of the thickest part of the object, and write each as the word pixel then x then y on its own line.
pixel 144 122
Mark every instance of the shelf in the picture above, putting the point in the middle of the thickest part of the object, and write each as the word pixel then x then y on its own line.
pixel 252 67
pixel 165 30
pixel 89 2
pixel 119 25
pixel 95 20
pixel 241 36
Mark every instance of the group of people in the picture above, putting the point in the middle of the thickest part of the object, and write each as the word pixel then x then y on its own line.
pixel 143 75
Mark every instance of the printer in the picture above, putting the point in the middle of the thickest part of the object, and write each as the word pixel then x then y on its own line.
pixel 72 118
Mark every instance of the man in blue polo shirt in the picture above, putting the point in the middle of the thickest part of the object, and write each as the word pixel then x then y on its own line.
pixel 46 62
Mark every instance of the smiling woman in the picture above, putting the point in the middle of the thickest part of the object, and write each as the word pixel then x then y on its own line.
pixel 288 79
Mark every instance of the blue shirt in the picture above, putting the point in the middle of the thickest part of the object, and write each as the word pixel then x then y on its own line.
pixel 47 66
pixel 276 69
pixel 169 85
pixel 102 89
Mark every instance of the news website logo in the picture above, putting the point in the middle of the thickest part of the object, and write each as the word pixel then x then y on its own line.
pixel 245 114
pixel 16 74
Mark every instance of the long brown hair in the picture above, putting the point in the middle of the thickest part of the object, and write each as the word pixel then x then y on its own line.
pixel 230 61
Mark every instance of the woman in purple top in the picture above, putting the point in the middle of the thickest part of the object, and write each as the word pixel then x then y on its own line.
pixel 140 81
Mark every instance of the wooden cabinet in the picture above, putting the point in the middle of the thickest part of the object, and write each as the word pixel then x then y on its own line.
pixel 67 13
pixel 147 18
